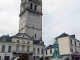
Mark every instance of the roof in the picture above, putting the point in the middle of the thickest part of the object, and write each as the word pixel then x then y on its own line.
pixel 6 38
pixel 18 34
pixel 49 47
pixel 65 35
pixel 62 35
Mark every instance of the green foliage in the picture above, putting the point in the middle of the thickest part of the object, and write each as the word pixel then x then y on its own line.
pixel 41 58
pixel 18 59
pixel 24 56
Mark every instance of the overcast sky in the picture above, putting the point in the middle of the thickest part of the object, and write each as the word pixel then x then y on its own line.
pixel 59 16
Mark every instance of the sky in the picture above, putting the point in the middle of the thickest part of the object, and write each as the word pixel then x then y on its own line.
pixel 59 16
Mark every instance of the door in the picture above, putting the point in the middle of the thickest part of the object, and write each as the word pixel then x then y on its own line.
pixel 7 57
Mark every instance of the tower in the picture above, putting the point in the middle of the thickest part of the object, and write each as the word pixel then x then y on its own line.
pixel 31 18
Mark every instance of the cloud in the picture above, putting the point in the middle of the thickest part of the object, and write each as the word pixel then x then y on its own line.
pixel 59 16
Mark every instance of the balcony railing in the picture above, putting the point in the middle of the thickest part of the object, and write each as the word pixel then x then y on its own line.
pixel 14 51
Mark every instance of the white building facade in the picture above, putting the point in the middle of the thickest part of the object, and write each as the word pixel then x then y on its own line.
pixel 29 38
pixel 69 46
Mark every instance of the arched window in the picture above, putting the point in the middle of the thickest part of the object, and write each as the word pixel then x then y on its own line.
pixel 31 6
pixel 35 7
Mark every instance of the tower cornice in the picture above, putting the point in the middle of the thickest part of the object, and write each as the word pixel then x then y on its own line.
pixel 31 10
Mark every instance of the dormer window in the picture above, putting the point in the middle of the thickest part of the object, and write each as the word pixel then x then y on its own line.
pixel 4 39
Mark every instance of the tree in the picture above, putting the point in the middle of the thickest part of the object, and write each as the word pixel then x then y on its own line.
pixel 23 56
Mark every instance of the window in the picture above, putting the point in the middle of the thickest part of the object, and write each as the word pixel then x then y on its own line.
pixel 50 51
pixel 17 49
pixel 38 50
pixel 34 50
pixel 0 57
pixel 31 6
pixel 35 7
pixel 3 48
pixel 22 49
pixel 23 36
pixel 9 48
pixel 75 49
pixel 46 52
pixel 42 50
pixel 79 44
pixel 75 42
pixel 35 35
pixel 28 49
pixel 28 42
pixel 23 41
pixel 71 41
pixel 17 41
pixel 71 49
pixel 4 39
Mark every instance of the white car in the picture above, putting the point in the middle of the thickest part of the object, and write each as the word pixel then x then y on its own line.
pixel 16 58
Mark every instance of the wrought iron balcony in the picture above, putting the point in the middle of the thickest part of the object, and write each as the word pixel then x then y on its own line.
pixel 19 52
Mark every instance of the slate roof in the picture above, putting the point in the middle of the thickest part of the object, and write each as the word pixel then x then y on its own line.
pixel 65 35
pixel 62 35
pixel 49 47
pixel 6 37
pixel 22 34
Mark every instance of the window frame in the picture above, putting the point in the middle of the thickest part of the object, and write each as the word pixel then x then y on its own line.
pixel 9 48
pixel 17 41
pixel 3 48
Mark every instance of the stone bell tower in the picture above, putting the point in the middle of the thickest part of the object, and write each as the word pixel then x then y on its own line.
pixel 31 18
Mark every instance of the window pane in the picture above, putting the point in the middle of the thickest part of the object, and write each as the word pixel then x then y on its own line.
pixel 42 51
pixel 17 48
pixel 28 42
pixel 23 41
pixel 38 50
pixel 17 41
pixel 9 48
pixel 34 50
pixel 3 48
pixel 28 49
pixel 22 48
pixel 50 51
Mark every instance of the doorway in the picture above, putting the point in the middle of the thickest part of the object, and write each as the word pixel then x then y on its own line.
pixel 6 57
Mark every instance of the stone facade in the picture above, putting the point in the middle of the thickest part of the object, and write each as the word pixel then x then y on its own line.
pixel 31 18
